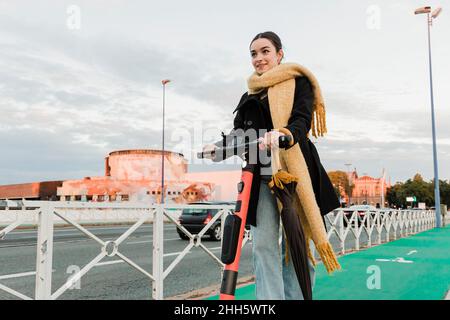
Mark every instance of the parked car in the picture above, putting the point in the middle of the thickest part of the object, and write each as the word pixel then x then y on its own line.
pixel 361 212
pixel 194 220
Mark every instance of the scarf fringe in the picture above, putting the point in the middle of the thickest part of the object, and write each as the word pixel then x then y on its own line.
pixel 280 179
pixel 328 257
pixel 318 123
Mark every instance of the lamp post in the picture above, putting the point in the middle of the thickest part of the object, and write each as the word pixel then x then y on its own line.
pixel 382 188
pixel 437 200
pixel 349 182
pixel 365 185
pixel 164 82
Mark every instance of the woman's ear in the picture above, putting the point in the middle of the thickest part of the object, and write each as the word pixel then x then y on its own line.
pixel 280 56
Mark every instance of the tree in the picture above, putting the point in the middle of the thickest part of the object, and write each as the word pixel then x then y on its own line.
pixel 395 195
pixel 337 192
pixel 339 179
pixel 417 187
pixel 444 188
pixel 420 189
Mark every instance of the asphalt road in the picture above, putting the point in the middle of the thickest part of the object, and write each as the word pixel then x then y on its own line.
pixel 112 278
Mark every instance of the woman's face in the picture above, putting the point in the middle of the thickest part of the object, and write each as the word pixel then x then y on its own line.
pixel 264 55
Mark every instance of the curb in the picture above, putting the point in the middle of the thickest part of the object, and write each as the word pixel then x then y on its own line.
pixel 210 291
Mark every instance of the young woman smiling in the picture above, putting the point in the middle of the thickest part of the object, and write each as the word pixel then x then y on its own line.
pixel 284 99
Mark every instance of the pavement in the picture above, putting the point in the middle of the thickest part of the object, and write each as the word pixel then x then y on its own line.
pixel 412 268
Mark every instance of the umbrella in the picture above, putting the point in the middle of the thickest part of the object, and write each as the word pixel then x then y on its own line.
pixel 283 186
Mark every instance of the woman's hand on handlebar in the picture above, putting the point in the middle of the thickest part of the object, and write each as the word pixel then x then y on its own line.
pixel 209 151
pixel 270 138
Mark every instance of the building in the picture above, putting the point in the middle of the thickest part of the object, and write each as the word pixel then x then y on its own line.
pixel 31 191
pixel 136 175
pixel 368 190
pixel 129 175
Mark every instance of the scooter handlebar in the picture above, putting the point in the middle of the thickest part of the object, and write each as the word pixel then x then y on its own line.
pixel 283 142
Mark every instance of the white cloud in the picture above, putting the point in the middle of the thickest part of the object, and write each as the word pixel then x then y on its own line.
pixel 98 89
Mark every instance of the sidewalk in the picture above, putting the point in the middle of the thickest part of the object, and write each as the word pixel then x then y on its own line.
pixel 417 267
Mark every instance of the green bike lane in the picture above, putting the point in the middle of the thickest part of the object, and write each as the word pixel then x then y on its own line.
pixel 413 268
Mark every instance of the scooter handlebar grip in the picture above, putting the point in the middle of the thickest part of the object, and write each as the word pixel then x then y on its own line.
pixel 209 155
pixel 284 141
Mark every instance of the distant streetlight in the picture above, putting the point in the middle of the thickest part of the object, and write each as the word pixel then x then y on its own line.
pixel 164 82
pixel 382 188
pixel 349 182
pixel 437 200
pixel 365 185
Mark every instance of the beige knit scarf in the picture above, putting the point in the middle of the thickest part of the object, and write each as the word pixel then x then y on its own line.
pixel 280 82
pixel 287 71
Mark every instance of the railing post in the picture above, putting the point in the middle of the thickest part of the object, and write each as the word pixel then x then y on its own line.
pixel 44 255
pixel 394 225
pixel 408 216
pixel 416 222
pixel 357 230
pixel 341 230
pixel 420 214
pixel 411 222
pixel 387 224
pixel 158 253
pixel 222 228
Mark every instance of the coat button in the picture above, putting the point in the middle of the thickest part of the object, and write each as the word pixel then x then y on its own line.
pixel 249 122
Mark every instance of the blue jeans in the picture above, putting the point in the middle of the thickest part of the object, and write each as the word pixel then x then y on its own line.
pixel 274 279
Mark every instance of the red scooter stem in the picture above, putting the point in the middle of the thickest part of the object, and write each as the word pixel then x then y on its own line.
pixel 230 274
pixel 232 240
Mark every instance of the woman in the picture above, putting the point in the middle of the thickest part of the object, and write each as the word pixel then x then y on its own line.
pixel 286 97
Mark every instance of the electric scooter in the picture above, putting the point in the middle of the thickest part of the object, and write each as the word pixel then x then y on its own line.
pixel 234 228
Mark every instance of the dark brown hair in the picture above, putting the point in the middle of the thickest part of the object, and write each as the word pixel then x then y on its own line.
pixel 272 37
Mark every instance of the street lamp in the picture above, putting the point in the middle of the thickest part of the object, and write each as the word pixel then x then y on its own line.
pixel 349 182
pixel 382 188
pixel 164 82
pixel 365 185
pixel 437 200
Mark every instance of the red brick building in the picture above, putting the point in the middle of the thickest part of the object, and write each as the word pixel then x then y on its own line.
pixel 31 191
pixel 368 190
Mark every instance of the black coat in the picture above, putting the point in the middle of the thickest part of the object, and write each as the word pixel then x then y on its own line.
pixel 253 112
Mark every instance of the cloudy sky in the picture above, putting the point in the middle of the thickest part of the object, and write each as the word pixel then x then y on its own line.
pixel 79 79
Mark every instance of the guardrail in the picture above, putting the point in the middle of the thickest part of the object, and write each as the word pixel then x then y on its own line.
pixel 394 223
pixel 341 223
pixel 47 211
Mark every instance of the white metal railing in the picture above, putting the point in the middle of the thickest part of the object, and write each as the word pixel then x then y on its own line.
pixel 341 223
pixel 394 223
pixel 47 211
